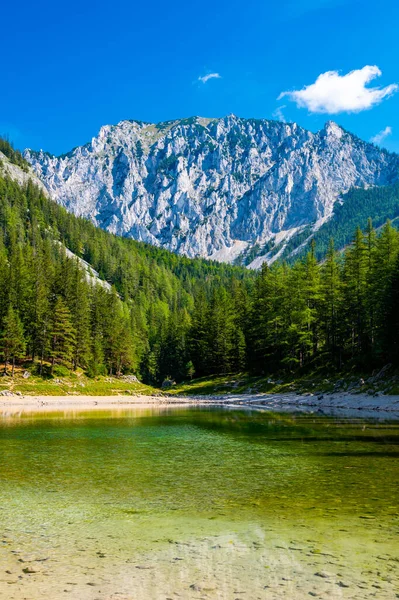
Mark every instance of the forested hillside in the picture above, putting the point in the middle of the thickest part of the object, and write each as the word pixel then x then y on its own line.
pixel 354 210
pixel 169 316
pixel 52 314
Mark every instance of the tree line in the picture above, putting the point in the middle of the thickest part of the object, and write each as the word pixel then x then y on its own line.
pixel 171 317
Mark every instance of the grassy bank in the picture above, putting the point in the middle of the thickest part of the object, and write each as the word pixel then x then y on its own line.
pixel 64 383
pixel 383 381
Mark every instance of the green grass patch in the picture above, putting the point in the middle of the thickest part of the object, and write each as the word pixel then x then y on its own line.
pixel 316 382
pixel 103 386
pixel 78 384
pixel 65 383
pixel 241 383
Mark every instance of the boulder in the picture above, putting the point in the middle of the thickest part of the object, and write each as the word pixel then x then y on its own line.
pixel 130 378
pixel 167 384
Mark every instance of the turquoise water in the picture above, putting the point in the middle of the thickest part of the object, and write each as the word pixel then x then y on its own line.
pixel 198 503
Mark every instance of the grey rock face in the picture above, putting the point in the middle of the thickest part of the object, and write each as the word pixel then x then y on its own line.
pixel 211 187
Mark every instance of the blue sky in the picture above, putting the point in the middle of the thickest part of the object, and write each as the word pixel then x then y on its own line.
pixel 68 68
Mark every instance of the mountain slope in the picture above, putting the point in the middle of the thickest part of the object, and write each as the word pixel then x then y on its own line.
pixel 219 188
pixel 13 165
pixel 352 211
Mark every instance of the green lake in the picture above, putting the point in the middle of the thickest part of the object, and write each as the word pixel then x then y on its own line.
pixel 181 503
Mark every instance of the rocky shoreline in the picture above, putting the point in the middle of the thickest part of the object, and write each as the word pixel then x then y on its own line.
pixel 344 403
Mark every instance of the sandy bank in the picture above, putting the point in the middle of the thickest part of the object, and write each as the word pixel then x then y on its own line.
pixel 18 404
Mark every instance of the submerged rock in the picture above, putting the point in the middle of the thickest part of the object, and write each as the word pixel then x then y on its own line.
pixel 324 574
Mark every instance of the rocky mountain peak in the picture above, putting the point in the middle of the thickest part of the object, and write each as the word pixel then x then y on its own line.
pixel 332 129
pixel 217 188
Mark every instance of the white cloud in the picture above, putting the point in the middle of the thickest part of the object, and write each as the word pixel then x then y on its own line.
pixel 333 93
pixel 380 137
pixel 279 115
pixel 206 78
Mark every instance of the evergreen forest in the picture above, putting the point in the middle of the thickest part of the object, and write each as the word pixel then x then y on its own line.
pixel 167 316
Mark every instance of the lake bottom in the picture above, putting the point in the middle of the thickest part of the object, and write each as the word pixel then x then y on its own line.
pixel 198 504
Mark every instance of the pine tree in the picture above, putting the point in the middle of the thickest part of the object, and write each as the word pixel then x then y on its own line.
pixel 258 339
pixel 62 334
pixel 386 252
pixel 370 293
pixel 312 293
pixel 121 354
pixel 198 338
pixel 40 313
pixel 190 369
pixel 238 360
pixel 355 277
pixel 390 328
pixel 220 333
pixel 80 302
pixel 12 339
pixel 298 336
pixel 4 273
pixel 330 306
pixel 241 310
pixel 98 309
pixel 173 347
pixel 268 319
pixel 149 366
pixel 117 337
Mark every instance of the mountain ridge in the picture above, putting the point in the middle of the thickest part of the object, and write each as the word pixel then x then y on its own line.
pixel 222 189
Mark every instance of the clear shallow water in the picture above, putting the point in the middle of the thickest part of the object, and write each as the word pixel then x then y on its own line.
pixel 198 503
